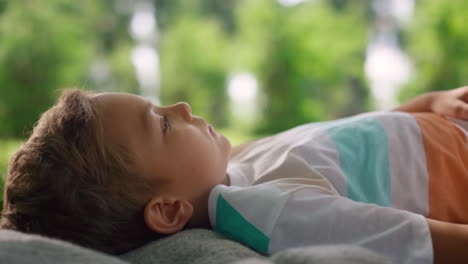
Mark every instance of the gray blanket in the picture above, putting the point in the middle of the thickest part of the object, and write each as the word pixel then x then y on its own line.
pixel 190 246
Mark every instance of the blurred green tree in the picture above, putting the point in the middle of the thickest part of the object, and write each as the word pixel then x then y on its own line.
pixel 46 47
pixel 436 42
pixel 194 66
pixel 42 47
pixel 112 47
pixel 308 58
pixel 168 11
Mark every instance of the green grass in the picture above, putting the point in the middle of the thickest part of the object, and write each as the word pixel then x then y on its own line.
pixel 7 148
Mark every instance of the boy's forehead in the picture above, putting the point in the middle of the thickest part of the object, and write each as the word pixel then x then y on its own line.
pixel 117 97
pixel 117 107
pixel 112 102
pixel 122 100
pixel 120 114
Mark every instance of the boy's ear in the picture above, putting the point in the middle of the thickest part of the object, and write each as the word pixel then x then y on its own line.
pixel 167 216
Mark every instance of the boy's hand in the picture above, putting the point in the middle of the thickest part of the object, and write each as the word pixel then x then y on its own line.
pixel 453 103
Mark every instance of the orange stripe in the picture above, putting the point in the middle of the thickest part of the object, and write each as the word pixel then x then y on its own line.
pixel 447 161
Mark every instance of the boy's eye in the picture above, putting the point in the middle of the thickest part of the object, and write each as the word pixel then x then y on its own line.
pixel 166 124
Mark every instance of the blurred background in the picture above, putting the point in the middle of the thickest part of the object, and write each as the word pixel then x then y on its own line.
pixel 250 67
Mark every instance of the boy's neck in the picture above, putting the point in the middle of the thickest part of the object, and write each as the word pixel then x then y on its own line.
pixel 200 218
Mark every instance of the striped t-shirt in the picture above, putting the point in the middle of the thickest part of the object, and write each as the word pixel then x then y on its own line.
pixel 356 171
pixel 417 162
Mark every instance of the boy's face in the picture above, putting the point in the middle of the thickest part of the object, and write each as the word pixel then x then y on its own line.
pixel 167 143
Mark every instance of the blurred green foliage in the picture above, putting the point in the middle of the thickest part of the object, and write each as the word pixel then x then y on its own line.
pixel 308 58
pixel 436 41
pixel 46 47
pixel 38 42
pixel 194 66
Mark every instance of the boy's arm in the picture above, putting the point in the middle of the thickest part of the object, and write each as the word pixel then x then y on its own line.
pixel 453 103
pixel 449 242
pixel 421 103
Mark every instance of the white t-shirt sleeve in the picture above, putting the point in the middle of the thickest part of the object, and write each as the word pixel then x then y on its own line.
pixel 286 213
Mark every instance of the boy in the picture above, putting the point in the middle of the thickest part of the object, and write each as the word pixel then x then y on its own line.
pixel 112 172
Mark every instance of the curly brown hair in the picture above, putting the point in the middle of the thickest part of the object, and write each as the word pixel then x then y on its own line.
pixel 68 182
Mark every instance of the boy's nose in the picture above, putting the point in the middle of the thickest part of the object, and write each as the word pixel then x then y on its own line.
pixel 185 109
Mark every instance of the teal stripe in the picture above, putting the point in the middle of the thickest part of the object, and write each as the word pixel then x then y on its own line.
pixel 232 224
pixel 362 145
